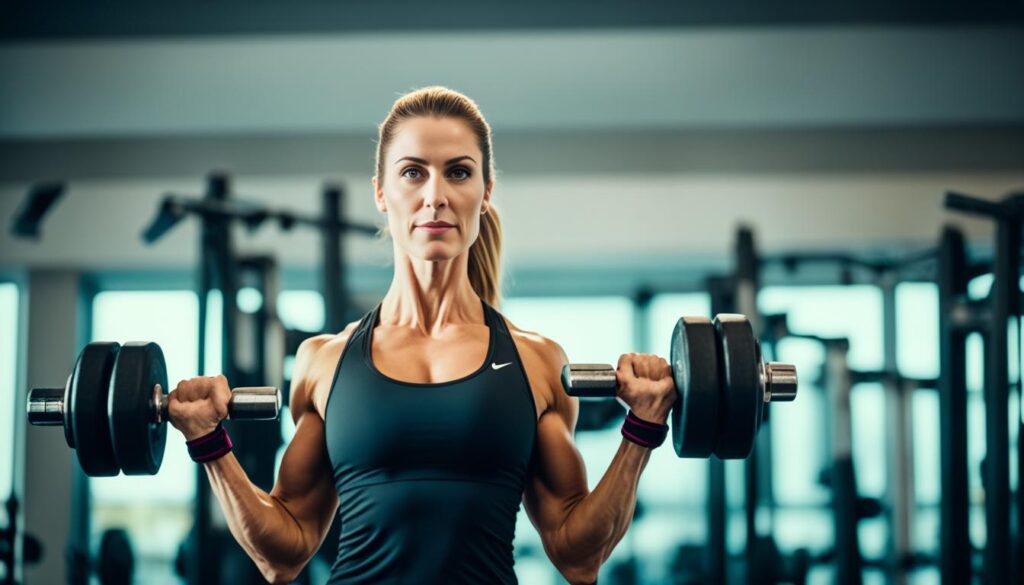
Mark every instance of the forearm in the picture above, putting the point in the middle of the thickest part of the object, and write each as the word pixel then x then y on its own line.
pixel 260 523
pixel 599 520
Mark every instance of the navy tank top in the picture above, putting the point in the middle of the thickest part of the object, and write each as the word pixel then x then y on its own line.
pixel 429 476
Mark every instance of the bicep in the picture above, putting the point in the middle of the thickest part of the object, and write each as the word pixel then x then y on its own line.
pixel 558 477
pixel 305 486
pixel 305 483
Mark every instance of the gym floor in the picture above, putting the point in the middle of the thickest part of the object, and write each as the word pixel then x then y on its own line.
pixel 634 144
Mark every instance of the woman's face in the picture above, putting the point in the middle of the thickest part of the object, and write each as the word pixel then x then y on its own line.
pixel 432 188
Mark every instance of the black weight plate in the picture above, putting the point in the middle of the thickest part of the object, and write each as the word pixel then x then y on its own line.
pixel 138 441
pixel 741 399
pixel 86 402
pixel 115 564
pixel 695 362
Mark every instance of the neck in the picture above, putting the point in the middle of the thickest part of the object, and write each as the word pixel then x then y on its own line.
pixel 430 295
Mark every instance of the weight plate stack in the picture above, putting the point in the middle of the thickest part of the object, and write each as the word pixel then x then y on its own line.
pixel 138 441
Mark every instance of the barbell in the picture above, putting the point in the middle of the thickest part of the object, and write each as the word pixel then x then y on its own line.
pixel 114 405
pixel 722 384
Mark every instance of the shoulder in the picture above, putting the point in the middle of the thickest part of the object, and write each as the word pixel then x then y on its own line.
pixel 315 361
pixel 317 348
pixel 543 359
pixel 544 351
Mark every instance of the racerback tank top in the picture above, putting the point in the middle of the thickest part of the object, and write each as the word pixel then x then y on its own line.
pixel 429 476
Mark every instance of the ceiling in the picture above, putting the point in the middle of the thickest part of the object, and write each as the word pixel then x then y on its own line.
pixel 525 81
pixel 60 19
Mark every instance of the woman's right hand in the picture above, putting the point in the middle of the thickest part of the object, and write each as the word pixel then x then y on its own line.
pixel 197 405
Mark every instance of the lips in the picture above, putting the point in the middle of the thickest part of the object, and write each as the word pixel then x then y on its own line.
pixel 435 224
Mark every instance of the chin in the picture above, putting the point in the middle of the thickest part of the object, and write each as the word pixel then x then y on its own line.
pixel 436 253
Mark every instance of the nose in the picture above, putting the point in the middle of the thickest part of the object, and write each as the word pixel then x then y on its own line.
pixel 434 195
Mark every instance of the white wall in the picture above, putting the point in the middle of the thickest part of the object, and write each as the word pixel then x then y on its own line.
pixel 550 219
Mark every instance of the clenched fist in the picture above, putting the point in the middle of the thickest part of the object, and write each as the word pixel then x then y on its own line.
pixel 646 385
pixel 197 405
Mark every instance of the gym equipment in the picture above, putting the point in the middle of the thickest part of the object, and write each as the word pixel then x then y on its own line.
pixel 961 316
pixel 17 547
pixel 839 382
pixel 111 563
pixel 219 208
pixel 721 380
pixel 115 564
pixel 952 276
pixel 38 203
pixel 114 404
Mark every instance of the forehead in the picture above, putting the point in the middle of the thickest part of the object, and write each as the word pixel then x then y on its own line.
pixel 433 138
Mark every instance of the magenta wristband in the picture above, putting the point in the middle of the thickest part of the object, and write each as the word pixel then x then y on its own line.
pixel 644 433
pixel 210 446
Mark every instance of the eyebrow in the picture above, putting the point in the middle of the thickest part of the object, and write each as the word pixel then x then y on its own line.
pixel 446 163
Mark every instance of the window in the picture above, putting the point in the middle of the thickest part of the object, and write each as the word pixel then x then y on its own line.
pixel 301 309
pixel 8 382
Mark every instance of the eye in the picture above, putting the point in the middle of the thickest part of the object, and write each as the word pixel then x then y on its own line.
pixel 459 173
pixel 412 173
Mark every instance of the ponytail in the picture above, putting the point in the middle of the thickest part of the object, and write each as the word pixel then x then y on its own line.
pixel 485 259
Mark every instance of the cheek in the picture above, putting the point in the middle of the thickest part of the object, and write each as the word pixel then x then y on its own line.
pixel 470 197
pixel 397 199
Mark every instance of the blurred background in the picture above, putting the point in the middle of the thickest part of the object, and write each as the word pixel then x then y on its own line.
pixel 634 141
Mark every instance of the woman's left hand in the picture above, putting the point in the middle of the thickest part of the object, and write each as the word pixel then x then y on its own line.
pixel 646 385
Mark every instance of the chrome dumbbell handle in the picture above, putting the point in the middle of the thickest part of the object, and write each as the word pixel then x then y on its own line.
pixel 254 403
pixel 46 405
pixel 598 380
pixel 589 380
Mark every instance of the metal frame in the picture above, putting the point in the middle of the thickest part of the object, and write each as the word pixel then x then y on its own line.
pixel 996 318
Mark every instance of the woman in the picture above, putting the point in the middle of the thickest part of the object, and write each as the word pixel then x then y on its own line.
pixel 429 420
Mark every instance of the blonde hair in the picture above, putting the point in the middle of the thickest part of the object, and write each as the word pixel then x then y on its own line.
pixel 441 102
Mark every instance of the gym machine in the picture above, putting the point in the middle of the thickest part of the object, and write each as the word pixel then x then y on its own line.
pixel 839 380
pixel 997 318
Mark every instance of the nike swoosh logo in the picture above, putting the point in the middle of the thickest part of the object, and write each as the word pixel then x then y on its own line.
pixel 499 366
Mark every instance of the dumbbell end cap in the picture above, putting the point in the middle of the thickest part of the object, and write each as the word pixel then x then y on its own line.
pixel 46 407
pixel 781 382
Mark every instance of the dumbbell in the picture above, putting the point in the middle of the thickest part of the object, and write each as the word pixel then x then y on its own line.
pixel 721 380
pixel 114 406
